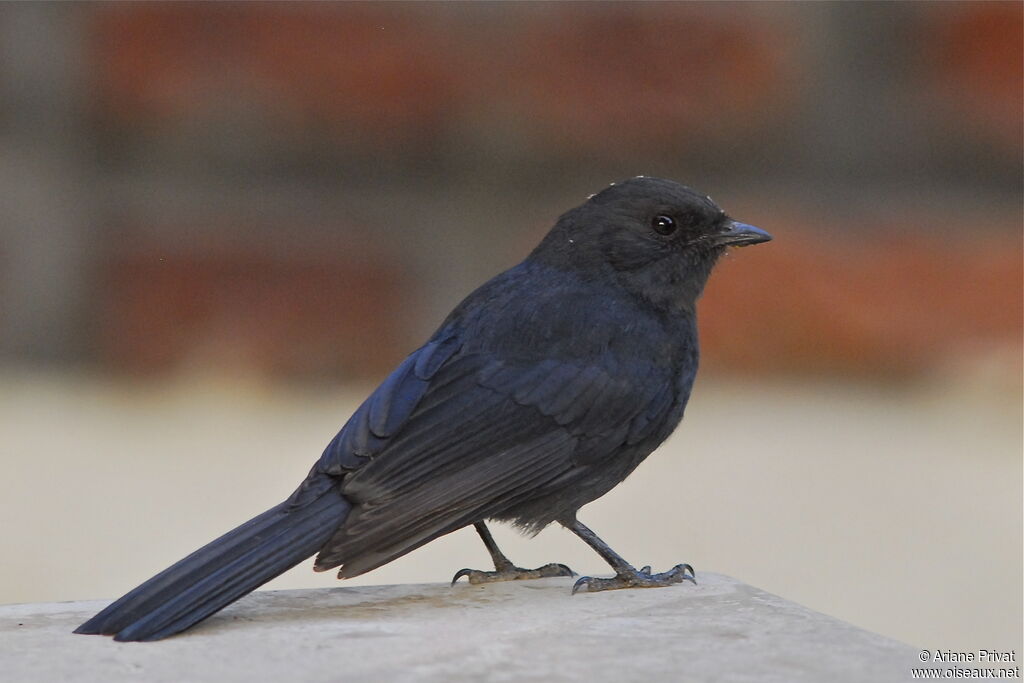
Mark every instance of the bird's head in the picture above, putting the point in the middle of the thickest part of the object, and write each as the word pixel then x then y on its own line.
pixel 658 239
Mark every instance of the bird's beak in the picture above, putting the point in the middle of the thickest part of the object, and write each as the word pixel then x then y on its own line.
pixel 740 235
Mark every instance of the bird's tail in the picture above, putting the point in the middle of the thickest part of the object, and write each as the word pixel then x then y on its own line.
pixel 225 569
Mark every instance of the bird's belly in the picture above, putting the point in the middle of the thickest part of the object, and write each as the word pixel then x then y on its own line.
pixel 585 485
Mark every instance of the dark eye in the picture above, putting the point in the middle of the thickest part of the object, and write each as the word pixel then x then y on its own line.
pixel 664 225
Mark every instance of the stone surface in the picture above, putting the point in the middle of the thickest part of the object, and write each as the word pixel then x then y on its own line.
pixel 719 630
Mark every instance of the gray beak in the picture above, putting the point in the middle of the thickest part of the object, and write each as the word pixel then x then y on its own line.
pixel 741 235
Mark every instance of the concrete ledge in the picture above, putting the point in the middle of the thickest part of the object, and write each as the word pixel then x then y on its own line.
pixel 719 630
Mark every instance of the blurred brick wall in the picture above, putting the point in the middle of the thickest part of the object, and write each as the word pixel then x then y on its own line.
pixel 456 90
pixel 602 81
pixel 976 68
pixel 893 306
pixel 235 306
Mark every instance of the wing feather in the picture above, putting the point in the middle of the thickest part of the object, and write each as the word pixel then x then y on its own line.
pixel 452 437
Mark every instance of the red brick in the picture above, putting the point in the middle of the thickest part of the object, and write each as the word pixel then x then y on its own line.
pixel 600 77
pixel 863 303
pixel 361 64
pixel 975 56
pixel 654 74
pixel 283 314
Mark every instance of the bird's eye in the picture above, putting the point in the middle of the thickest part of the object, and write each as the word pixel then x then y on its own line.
pixel 664 225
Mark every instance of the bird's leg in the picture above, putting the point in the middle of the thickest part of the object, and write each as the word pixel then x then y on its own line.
pixel 504 570
pixel 626 576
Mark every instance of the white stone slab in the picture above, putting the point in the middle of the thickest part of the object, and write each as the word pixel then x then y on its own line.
pixel 719 630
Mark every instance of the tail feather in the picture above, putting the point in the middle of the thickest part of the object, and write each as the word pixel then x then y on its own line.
pixel 222 571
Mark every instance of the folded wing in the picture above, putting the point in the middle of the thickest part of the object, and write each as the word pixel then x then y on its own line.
pixel 451 438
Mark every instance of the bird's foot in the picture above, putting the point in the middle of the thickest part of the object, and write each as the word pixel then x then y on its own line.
pixel 632 578
pixel 513 573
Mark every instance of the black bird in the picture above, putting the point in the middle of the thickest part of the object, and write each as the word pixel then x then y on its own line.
pixel 539 393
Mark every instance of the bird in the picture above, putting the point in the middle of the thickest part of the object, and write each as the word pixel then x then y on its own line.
pixel 540 392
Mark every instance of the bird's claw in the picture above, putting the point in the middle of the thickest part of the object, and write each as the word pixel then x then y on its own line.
pixel 476 576
pixel 462 572
pixel 636 579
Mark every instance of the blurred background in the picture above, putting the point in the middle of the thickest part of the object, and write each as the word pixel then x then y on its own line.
pixel 222 224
